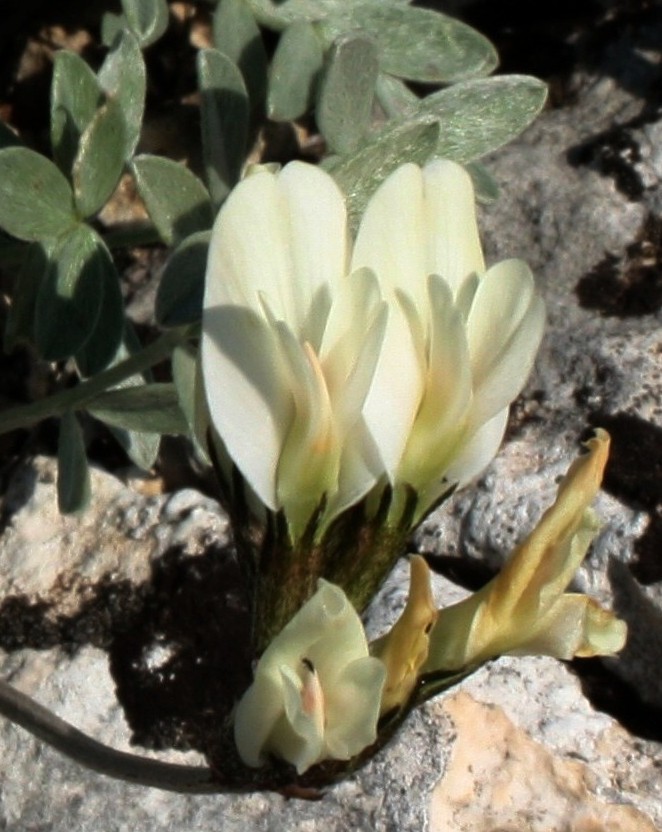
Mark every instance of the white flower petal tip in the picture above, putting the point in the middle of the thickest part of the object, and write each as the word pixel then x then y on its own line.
pixel 316 693
pixel 404 649
pixel 525 609
pixel 405 345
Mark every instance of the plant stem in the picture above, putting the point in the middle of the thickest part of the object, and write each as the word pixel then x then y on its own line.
pixel 142 771
pixel 77 397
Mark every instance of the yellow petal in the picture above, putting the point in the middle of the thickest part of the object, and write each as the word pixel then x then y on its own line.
pixel 404 649
pixel 544 564
pixel 524 609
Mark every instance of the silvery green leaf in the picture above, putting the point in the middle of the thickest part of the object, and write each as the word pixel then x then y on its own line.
pixel 485 186
pixel 20 316
pixel 122 76
pixel 69 298
pixel 112 25
pixel 73 473
pixel 75 97
pixel 360 175
pixel 394 96
pixel 346 92
pixel 414 43
pixel 36 201
pixel 278 14
pixel 176 200
pixel 151 408
pixel 101 347
pixel 224 112
pixel 148 19
pixel 479 116
pixel 294 71
pixel 100 159
pixel 142 448
pixel 238 37
pixel 179 296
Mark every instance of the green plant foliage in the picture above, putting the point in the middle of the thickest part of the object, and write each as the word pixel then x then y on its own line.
pixel 417 44
pixel 122 76
pixel 19 327
pixel 141 447
pixel 238 37
pixel 75 97
pixel 394 96
pixel 486 188
pixel 224 112
pixel 112 25
pixel 151 408
pixel 479 116
pixel 100 158
pixel 179 296
pixel 101 347
pixel 347 91
pixel 176 200
pixel 188 383
pixel 73 473
pixel 36 201
pixel 69 298
pixel 360 175
pixel 148 19
pixel 295 68
pixel 278 14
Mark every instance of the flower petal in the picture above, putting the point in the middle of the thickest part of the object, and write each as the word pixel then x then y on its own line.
pixel 404 649
pixel 523 609
pixel 352 704
pixel 451 234
pixel 351 343
pixel 391 236
pixel 576 626
pixel 440 421
pixel 310 456
pixel 316 692
pixel 283 235
pixel 246 380
pixel 504 331
pixel 392 402
pixel 478 451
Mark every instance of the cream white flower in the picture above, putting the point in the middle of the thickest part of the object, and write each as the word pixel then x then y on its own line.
pixel 317 692
pixel 525 609
pixel 327 369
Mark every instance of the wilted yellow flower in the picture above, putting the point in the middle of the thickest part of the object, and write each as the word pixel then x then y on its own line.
pixel 404 649
pixel 329 367
pixel 525 609
pixel 317 692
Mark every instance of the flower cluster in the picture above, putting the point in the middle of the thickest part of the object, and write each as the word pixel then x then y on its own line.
pixel 338 370
pixel 317 692
pixel 330 367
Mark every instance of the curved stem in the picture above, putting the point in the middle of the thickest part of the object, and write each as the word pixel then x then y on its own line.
pixel 44 724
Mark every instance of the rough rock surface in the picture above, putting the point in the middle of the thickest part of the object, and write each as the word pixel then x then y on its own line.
pixel 519 746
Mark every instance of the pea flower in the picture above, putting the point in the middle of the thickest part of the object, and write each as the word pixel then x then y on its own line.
pixel 525 608
pixel 405 648
pixel 330 367
pixel 316 693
